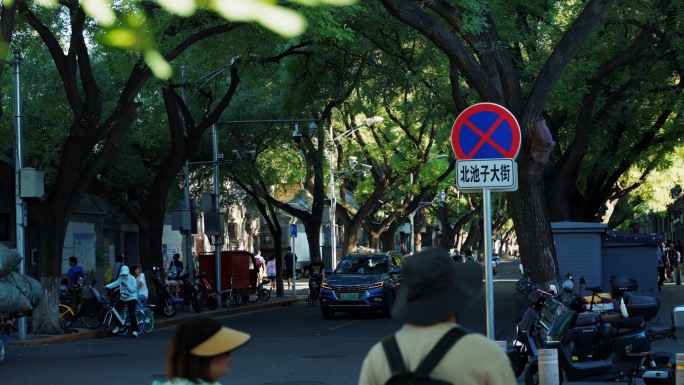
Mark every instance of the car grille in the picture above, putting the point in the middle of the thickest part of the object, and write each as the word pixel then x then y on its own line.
pixel 349 288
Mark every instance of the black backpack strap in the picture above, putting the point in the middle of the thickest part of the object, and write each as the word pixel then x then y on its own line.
pixel 393 354
pixel 437 353
pixel 396 361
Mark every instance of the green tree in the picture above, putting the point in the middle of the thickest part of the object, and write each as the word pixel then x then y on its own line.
pixel 469 36
pixel 102 111
pixel 616 112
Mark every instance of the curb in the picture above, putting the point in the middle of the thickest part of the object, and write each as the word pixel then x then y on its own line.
pixel 161 322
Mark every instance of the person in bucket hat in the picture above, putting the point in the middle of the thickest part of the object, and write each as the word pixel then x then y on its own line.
pixel 200 352
pixel 433 290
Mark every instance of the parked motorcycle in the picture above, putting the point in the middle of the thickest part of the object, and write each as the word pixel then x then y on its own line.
pixel 164 299
pixel 630 351
pixel 205 292
pixel 629 305
pixel 527 304
pixel 198 294
pixel 188 292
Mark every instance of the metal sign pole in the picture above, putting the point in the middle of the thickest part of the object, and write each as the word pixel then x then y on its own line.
pixel 489 277
pixel 216 203
pixel 294 268
pixel 20 205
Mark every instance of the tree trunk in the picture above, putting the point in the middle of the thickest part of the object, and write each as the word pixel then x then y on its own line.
pixel 49 266
pixel 44 319
pixel 532 224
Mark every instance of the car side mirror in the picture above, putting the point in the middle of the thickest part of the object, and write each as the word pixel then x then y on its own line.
pixel 328 271
pixel 396 270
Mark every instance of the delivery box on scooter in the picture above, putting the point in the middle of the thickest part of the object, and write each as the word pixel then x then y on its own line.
pixel 642 305
pixel 620 284
pixel 678 316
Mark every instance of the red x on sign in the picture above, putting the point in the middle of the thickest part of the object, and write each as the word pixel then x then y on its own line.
pixel 485 131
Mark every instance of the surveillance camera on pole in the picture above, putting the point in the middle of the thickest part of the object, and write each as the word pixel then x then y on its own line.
pixel 296 135
pixel 353 162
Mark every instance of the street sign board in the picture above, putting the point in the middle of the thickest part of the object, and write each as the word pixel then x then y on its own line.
pixel 293 230
pixel 493 174
pixel 485 131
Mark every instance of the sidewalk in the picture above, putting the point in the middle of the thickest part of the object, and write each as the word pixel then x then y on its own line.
pixel 671 295
pixel 160 321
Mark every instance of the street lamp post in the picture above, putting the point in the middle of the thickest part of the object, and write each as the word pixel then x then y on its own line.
pixel 413 213
pixel 440 200
pixel 333 200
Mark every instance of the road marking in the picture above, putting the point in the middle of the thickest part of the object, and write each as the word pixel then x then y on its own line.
pixel 343 325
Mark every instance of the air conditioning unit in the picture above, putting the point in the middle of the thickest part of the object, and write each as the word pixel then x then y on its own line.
pixel 31 183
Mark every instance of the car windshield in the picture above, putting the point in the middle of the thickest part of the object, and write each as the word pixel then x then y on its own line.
pixel 362 265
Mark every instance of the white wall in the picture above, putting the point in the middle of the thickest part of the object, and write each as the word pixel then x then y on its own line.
pixel 172 243
pixel 79 242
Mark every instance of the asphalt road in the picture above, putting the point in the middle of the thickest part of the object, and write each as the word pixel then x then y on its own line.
pixel 290 344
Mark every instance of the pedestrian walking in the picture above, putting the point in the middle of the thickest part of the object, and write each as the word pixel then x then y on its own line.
pixel 661 267
pixel 271 271
pixel 289 266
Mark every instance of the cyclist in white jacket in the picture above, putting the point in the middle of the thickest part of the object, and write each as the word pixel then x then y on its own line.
pixel 128 296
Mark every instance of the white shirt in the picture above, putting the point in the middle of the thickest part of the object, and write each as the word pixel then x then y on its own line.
pixel 142 289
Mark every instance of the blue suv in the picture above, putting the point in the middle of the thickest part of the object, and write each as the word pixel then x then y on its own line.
pixel 362 282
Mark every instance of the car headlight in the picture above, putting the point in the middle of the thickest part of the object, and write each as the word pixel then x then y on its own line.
pixel 376 285
pixel 326 286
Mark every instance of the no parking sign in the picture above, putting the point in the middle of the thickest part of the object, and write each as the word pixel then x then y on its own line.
pixel 486 139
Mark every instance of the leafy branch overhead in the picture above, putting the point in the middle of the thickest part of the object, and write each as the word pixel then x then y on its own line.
pixel 126 24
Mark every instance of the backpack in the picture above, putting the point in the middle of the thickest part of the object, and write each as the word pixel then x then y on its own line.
pixel 79 278
pixel 401 376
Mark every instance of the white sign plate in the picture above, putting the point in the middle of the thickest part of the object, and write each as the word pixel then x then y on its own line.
pixel 494 174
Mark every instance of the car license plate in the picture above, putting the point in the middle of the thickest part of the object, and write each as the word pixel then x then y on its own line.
pixel 349 296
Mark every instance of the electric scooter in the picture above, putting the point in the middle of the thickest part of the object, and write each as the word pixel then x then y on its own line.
pixel 164 299
pixel 206 294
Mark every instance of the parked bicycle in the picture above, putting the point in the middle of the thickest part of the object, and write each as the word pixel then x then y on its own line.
pixel 92 308
pixel 143 317
pixel 260 293
pixel 231 296
pixel 6 322
pixel 66 316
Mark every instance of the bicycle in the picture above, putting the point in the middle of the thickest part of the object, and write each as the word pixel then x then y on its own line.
pixel 259 294
pixel 6 322
pixel 143 317
pixel 232 296
pixel 314 290
pixel 66 316
pixel 92 307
